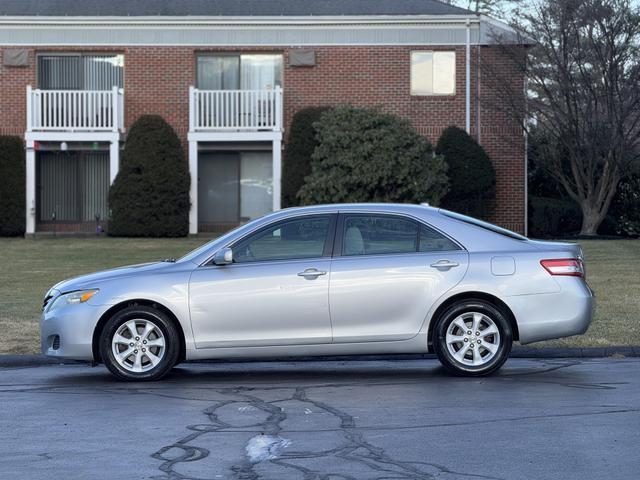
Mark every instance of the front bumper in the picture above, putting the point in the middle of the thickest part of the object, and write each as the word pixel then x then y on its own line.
pixel 554 315
pixel 74 326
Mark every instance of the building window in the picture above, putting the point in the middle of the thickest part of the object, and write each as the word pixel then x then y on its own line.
pixel 80 72
pixel 239 72
pixel 433 73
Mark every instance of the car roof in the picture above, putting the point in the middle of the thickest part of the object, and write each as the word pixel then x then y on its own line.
pixel 368 207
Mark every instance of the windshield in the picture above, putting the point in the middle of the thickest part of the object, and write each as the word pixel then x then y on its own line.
pixel 486 225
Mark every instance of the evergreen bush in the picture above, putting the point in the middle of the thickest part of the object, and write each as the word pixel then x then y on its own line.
pixel 12 186
pixel 150 195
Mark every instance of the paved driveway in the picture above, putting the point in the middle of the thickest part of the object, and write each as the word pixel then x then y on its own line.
pixel 537 419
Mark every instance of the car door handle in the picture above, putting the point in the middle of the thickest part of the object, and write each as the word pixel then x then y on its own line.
pixel 444 264
pixel 312 273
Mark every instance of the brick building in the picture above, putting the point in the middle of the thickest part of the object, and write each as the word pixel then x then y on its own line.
pixel 228 76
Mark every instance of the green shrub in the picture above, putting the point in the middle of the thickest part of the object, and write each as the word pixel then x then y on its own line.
pixel 150 195
pixel 367 156
pixel 553 217
pixel 624 213
pixel 296 162
pixel 12 186
pixel 472 177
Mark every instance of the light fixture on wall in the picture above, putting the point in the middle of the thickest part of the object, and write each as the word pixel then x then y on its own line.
pixel 63 147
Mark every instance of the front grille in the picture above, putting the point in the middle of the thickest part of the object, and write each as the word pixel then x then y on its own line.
pixel 56 342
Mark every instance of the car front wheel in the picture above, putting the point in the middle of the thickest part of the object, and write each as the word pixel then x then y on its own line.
pixel 139 343
pixel 472 338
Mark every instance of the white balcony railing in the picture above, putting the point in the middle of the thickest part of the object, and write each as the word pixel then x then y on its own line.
pixel 236 110
pixel 75 110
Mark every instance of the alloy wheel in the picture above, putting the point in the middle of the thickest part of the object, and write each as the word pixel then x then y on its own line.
pixel 473 339
pixel 138 345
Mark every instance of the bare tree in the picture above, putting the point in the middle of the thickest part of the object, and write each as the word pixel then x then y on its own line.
pixel 584 95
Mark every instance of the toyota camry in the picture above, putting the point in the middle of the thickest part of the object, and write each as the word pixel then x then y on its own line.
pixel 327 280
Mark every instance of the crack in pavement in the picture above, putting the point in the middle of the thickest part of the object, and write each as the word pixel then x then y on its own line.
pixel 336 449
pixel 353 450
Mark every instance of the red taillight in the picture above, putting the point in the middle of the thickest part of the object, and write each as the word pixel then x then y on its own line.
pixel 571 267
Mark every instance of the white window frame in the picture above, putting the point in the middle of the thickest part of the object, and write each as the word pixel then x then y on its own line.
pixel 421 93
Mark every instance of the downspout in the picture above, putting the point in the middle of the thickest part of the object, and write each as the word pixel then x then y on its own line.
pixel 467 119
pixel 525 84
pixel 478 87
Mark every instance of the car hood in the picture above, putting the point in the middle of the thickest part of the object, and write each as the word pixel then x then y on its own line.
pixel 92 280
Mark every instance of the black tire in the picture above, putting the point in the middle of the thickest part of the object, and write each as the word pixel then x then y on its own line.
pixel 164 324
pixel 505 340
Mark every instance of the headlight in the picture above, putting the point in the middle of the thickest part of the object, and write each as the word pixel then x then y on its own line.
pixel 79 296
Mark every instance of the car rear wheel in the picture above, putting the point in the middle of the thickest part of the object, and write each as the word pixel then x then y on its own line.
pixel 472 338
pixel 139 343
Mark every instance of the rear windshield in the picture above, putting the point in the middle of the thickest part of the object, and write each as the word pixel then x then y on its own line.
pixel 487 226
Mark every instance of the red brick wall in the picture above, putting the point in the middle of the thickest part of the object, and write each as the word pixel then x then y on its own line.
pixel 157 81
pixel 13 102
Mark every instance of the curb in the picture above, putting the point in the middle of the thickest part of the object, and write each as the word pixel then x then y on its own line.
pixel 517 352
pixel 34 361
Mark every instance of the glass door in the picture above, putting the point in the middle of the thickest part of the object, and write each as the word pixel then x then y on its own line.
pixel 73 186
pixel 220 72
pixel 260 72
pixel 233 187
pixel 242 88
pixel 256 185
pixel 218 188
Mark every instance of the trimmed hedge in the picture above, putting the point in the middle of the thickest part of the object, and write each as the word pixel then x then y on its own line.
pixel 150 195
pixel 364 155
pixel 12 186
pixel 472 177
pixel 296 162
pixel 553 217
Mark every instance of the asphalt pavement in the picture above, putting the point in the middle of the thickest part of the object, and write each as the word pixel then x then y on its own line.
pixel 324 420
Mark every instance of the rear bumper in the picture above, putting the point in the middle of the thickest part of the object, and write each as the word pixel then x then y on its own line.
pixel 554 315
pixel 74 326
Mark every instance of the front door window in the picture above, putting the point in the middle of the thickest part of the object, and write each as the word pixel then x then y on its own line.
pixel 291 239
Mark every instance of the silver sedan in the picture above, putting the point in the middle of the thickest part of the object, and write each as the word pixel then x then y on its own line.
pixel 327 280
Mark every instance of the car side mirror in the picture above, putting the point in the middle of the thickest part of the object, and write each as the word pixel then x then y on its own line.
pixel 224 256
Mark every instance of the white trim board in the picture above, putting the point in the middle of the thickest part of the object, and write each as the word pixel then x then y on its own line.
pixel 72 136
pixel 234 35
pixel 234 136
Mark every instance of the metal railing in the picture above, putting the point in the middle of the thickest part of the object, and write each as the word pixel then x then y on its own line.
pixel 239 110
pixel 75 110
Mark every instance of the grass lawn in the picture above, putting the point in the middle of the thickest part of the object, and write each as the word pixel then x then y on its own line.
pixel 30 267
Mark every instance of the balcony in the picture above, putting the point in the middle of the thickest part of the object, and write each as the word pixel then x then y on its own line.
pixel 235 110
pixel 75 110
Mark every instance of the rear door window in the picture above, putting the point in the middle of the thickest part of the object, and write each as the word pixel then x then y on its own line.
pixel 376 235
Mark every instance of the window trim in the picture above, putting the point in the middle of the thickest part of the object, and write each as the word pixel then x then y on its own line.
pixel 433 94
pixel 340 232
pixel 326 252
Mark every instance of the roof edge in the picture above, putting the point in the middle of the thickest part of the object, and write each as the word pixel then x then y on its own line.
pixel 159 20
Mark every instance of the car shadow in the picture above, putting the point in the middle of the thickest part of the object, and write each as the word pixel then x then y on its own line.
pixel 232 374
